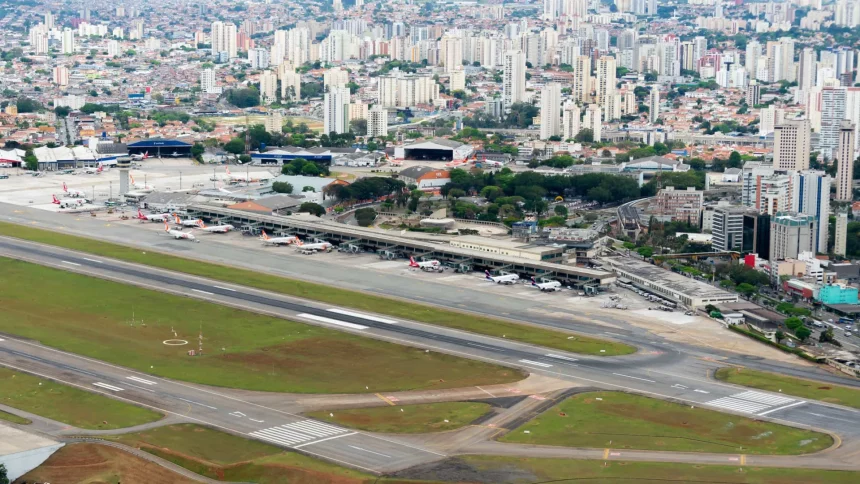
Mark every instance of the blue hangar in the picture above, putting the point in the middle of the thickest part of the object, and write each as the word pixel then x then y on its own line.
pixel 161 148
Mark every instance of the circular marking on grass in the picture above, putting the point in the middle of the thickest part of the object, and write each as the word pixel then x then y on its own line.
pixel 174 342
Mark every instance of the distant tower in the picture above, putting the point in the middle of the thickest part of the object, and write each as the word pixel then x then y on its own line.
pixel 124 165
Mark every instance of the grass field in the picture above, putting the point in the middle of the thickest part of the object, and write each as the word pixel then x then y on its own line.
pixel 67 404
pixel 328 294
pixel 407 419
pixel 624 421
pixel 816 390
pixel 616 472
pixel 93 463
pixel 223 456
pixel 11 417
pixel 93 317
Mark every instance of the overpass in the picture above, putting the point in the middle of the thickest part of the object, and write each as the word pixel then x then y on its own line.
pixel 358 239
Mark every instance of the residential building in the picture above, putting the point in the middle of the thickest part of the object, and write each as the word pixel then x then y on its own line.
pixel 811 196
pixel 753 96
pixel 550 106
pixel 61 76
pixel 377 122
pixel 223 39
pixel 335 77
pixel 840 236
pixel 268 87
pixel 67 44
pixel 756 235
pixel 791 145
pixel 259 58
pixel 654 104
pixel 680 205
pixel 207 81
pixel 844 157
pixel 728 228
pixel 582 79
pixel 791 234
pixel 274 122
pixel 751 176
pixel 605 80
pixel 514 78
pixel 571 121
pixel 832 116
pixel 336 110
pixel 593 121
pixel 769 118
pixel 291 83
pixel 457 80
pixel 403 91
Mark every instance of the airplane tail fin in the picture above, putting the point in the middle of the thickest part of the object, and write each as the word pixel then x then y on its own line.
pixel 166 227
pixel 412 262
pixel 55 201
pixel 299 242
pixel 176 217
pixel 140 214
pixel 534 282
pixel 201 224
pixel 227 169
pixel 488 274
pixel 264 235
pixel 65 188
pixel 101 168
pixel 131 178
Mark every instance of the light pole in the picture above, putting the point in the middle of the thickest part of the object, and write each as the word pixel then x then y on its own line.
pixel 180 180
pixel 94 193
pixel 110 197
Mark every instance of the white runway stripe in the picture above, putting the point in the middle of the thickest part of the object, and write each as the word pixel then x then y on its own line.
pixel 363 316
pixel 301 432
pixel 331 321
pixel 140 380
pixel 737 405
pixel 536 363
pixel 551 355
pixel 108 387
pixel 763 398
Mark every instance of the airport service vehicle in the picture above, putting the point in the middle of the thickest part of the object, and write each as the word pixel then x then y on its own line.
pixel 139 186
pixel 4 177
pixel 316 246
pixel 152 217
pixel 94 171
pixel 140 157
pixel 77 202
pixel 191 222
pixel 506 279
pixel 70 192
pixel 177 234
pixel 277 240
pixel 427 265
pixel 550 286
pixel 215 229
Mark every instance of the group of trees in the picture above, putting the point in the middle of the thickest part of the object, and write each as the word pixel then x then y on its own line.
pixel 520 116
pixel 366 188
pixel 301 166
pixel 365 216
pixel 244 98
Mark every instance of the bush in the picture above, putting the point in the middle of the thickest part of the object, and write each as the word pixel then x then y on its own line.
pixel 312 208
pixel 282 187
pixel 365 216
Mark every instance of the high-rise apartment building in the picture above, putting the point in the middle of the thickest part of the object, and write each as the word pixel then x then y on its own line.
pixel 514 78
pixel 605 79
pixel 840 236
pixel 223 38
pixel 67 45
pixel 571 119
pixel 727 228
pixel 791 234
pixel 377 122
pixel 753 96
pixel 259 58
pixel 593 121
pixel 811 196
pixel 582 79
pixel 61 76
pixel 654 104
pixel 268 86
pixel 336 110
pixel 791 145
pixel 291 82
pixel 832 115
pixel 844 158
pixel 335 77
pixel 550 110
pixel 207 80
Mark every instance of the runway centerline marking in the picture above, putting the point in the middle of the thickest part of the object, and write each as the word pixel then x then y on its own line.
pixel 224 288
pixel 834 418
pixel 369 317
pixel 198 403
pixel 93 260
pixel 369 451
pixel 335 322
pixel 70 263
pixel 203 292
pixel 634 377
pixel 536 363
pixel 108 387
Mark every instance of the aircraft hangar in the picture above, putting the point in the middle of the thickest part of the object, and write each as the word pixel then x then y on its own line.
pixel 161 148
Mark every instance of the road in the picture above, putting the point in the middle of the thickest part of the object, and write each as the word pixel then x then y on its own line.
pixel 659 370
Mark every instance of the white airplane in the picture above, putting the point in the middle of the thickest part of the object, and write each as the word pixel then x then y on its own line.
pixel 243 178
pixel 506 279
pixel 140 157
pixel 73 193
pixel 278 240
pixel 550 286
pixel 139 186
pixel 177 234
pixel 77 202
pixel 316 246
pixel 94 171
pixel 191 222
pixel 216 229
pixel 152 217
pixel 174 155
pixel 427 265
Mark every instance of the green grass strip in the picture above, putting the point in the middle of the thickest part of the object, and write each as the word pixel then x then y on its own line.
pixel 327 294
pixel 799 387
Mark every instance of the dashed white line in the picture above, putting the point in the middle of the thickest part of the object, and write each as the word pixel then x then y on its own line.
pixel 480 346
pixel 536 363
pixel 634 377
pixel 834 418
pixel 70 263
pixel 782 408
pixel 203 292
pixel 331 321
pixel 93 260
pixel 700 391
pixel 551 355
pixel 255 420
pixel 141 388
pixel 198 403
pixel 369 451
pixel 140 380
pixel 363 316
pixel 237 414
pixel 224 288
pixel 1 339
pixel 108 387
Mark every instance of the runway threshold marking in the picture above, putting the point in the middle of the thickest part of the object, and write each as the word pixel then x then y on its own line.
pixel 332 321
pixel 370 451
pixel 140 380
pixel 323 440
pixel 634 377
pixel 559 357
pixel 385 399
pixel 198 403
pixel 107 387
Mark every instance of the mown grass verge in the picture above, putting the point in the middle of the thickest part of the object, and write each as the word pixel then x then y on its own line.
pixel 799 387
pixel 407 419
pixel 332 295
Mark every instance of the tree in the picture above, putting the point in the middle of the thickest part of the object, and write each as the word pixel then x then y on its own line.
pixel 30 161
pixel 456 193
pixel 282 187
pixel 365 216
pixel 735 160
pixel 4 478
pixel 235 146
pixel 585 135
pixel 802 333
pixel 745 289
pixel 560 210
pixel 312 208
pixel 197 150
pixel 793 324
pixel 62 111
pixel 358 127
pixel 244 98
pixel 779 336
pixel 308 188
pixel 645 252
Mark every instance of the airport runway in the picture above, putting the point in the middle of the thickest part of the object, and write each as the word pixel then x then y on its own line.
pixel 659 370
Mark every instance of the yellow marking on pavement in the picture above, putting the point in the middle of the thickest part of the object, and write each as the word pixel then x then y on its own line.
pixel 386 400
pixel 743 459
pixel 605 453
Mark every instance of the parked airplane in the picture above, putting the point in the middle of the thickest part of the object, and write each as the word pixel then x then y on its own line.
pixel 550 286
pixel 177 234
pixel 427 265
pixel 77 202
pixel 191 222
pixel 73 193
pixel 316 246
pixel 139 186
pixel 140 157
pixel 174 155
pixel 242 178
pixel 277 240
pixel 217 229
pixel 152 217
pixel 506 279
pixel 94 171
